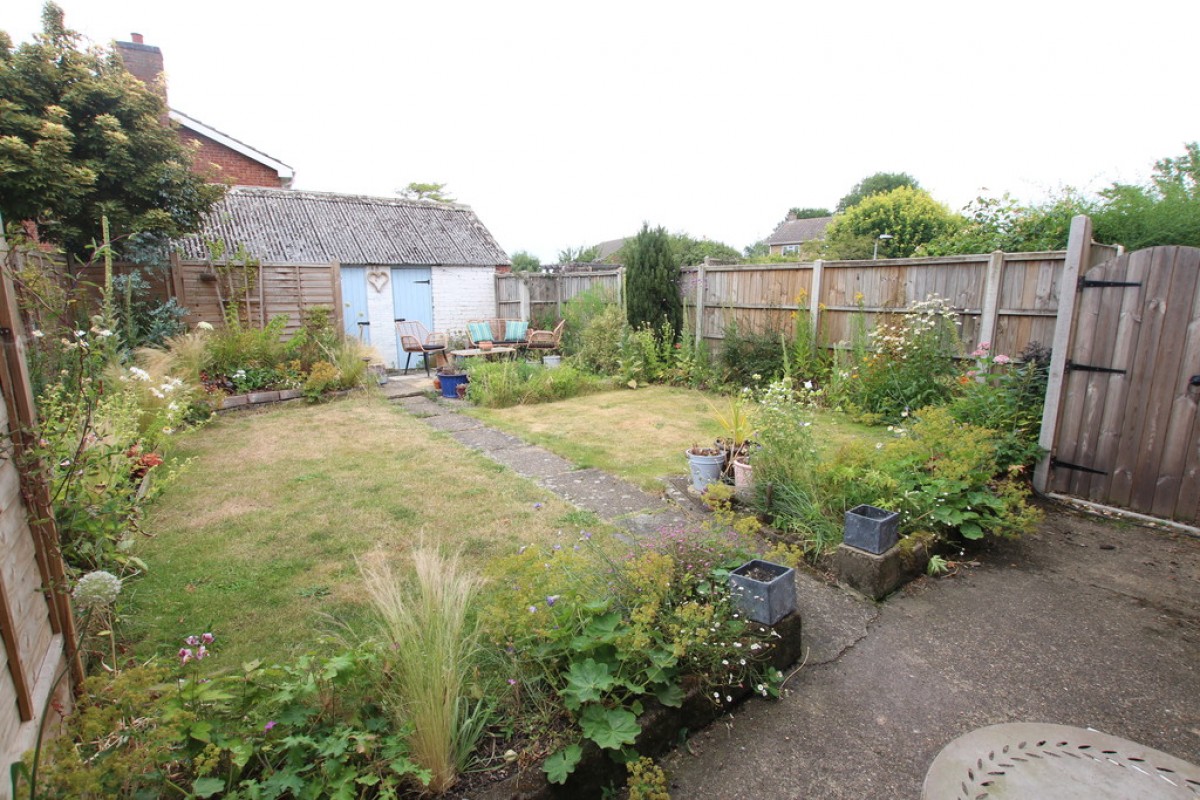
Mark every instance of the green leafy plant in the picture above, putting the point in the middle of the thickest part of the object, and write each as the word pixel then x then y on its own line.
pixel 1005 396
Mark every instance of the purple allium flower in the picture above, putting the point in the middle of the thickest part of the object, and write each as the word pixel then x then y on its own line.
pixel 537 506
pixel 268 726
pixel 587 535
pixel 533 609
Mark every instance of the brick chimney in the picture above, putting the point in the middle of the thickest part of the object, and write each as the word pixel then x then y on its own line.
pixel 144 62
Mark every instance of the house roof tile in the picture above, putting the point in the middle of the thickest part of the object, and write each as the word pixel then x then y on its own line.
pixel 795 231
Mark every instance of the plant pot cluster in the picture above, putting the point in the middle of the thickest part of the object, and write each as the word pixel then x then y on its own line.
pixel 722 463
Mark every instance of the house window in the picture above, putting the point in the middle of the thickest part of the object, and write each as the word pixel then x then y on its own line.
pixel 788 249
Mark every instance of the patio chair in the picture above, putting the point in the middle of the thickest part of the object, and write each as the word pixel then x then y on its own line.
pixel 414 338
pixel 547 340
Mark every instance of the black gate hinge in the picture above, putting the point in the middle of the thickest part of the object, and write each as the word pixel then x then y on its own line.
pixel 1084 283
pixel 1055 463
pixel 1071 365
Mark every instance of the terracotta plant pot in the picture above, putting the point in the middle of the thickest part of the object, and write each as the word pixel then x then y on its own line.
pixel 485 346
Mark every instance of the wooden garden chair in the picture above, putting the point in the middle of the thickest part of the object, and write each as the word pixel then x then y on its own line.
pixel 547 340
pixel 414 339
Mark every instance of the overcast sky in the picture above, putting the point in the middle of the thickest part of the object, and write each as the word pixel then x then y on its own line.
pixel 566 124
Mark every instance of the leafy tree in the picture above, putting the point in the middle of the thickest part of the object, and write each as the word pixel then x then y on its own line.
pixel 579 255
pixel 80 137
pixel 1165 211
pixel 879 183
pixel 689 251
pixel 426 191
pixel 1001 223
pixel 524 261
pixel 809 213
pixel 758 250
pixel 652 281
pixel 911 216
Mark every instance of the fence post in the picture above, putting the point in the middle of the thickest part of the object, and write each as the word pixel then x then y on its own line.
pixel 699 304
pixel 990 310
pixel 1078 248
pixel 814 301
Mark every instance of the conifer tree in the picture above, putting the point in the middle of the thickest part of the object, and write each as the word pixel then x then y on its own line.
pixel 652 281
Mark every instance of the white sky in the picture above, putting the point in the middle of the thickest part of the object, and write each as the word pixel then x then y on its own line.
pixel 566 124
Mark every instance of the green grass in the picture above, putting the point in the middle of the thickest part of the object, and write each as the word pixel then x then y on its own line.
pixel 256 540
pixel 641 435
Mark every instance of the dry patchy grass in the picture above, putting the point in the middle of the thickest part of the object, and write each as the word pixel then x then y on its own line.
pixel 257 539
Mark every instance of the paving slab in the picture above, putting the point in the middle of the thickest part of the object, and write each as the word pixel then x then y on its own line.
pixel 453 422
pixel 487 439
pixel 421 406
pixel 532 461
pixel 606 495
pixel 1087 623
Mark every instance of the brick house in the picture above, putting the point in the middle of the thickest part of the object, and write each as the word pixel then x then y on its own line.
pixel 234 161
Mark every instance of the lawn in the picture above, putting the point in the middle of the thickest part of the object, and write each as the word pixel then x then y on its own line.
pixel 257 539
pixel 641 435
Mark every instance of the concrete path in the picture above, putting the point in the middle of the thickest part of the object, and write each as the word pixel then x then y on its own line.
pixel 1088 622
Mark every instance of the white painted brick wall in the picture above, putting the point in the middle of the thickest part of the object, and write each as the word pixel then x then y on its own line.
pixel 383 321
pixel 461 294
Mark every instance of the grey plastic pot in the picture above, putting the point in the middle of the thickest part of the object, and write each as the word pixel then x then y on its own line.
pixel 764 601
pixel 705 469
pixel 872 529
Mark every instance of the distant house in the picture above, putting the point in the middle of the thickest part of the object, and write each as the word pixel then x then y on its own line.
pixel 233 161
pixel 376 259
pixel 606 251
pixel 792 233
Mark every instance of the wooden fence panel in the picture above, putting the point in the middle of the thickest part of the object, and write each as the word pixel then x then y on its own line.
pixel 541 297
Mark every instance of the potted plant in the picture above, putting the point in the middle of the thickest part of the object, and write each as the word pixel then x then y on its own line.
pixel 737 427
pixel 872 529
pixel 765 592
pixel 451 378
pixel 706 465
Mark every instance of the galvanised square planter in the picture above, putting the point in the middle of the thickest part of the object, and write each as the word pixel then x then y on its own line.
pixel 763 591
pixel 872 529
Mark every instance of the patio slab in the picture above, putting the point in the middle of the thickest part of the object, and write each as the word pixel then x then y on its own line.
pixel 606 495
pixel 453 423
pixel 487 439
pixel 532 461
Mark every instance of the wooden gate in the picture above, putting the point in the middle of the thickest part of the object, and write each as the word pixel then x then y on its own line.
pixel 1126 432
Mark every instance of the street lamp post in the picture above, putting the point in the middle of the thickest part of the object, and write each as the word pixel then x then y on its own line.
pixel 882 237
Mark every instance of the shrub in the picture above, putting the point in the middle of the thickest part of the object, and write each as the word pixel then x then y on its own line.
pixel 599 348
pixel 579 312
pixel 746 355
pixel 909 365
pixel 1006 397
pixel 502 384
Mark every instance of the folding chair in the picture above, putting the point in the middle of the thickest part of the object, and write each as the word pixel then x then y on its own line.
pixel 414 338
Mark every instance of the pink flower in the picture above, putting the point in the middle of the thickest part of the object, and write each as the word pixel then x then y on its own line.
pixel 985 346
pixel 207 638
pixel 192 641
pixel 269 725
pixel 185 655
pixel 201 652
pixel 1002 359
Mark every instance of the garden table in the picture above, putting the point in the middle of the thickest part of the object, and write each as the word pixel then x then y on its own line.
pixel 471 352
pixel 1034 760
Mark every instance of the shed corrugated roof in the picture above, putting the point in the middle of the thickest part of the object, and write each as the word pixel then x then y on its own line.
pixel 795 231
pixel 284 225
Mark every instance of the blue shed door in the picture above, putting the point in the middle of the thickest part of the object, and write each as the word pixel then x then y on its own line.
pixel 354 303
pixel 412 294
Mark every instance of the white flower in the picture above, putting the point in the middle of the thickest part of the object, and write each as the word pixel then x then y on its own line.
pixel 104 333
pixel 80 334
pixel 139 373
pixel 97 589
pixel 204 326
pixel 35 333
pixel 168 431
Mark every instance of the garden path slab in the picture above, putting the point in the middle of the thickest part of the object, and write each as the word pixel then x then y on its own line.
pixel 421 406
pixel 489 440
pixel 453 423
pixel 531 461
pixel 608 496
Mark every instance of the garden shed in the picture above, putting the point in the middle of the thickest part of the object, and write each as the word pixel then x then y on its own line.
pixel 375 260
